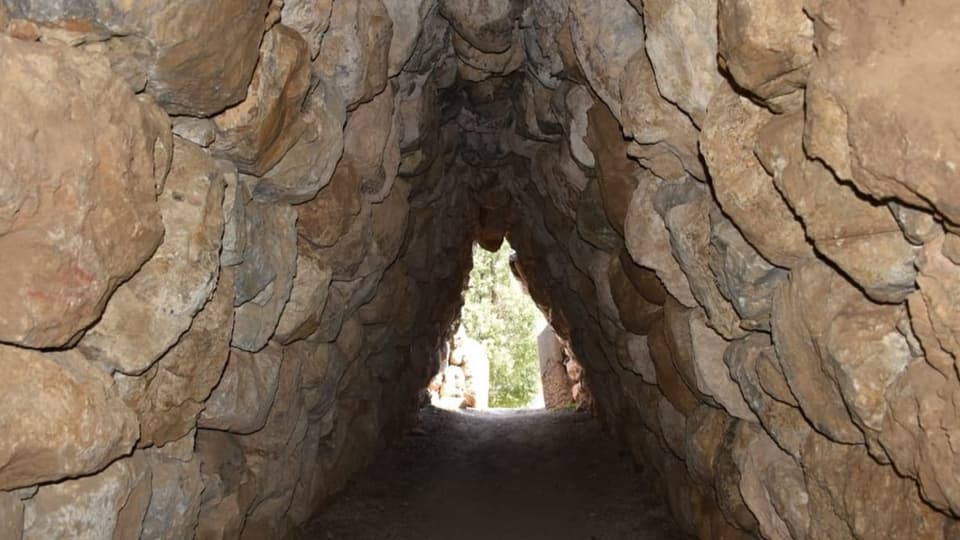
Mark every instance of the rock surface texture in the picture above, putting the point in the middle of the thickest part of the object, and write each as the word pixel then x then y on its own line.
pixel 235 235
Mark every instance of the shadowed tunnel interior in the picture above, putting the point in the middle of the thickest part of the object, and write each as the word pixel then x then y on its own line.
pixel 235 235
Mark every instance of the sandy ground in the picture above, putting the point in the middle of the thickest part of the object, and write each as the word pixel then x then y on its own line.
pixel 498 475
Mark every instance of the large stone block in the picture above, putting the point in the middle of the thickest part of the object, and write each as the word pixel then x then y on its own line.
pixel 149 313
pixel 78 189
pixel 111 504
pixel 60 417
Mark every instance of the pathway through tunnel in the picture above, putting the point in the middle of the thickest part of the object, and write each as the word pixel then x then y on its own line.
pixel 501 474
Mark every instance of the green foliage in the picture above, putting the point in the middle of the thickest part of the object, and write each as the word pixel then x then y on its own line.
pixel 499 314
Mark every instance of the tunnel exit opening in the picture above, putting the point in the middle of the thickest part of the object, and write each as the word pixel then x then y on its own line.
pixel 492 359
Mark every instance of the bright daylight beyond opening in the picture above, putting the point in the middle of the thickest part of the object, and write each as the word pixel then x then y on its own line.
pixel 503 352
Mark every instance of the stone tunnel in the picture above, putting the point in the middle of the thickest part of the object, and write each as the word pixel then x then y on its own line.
pixel 235 234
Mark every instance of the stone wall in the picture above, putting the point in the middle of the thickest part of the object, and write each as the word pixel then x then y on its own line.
pixel 231 254
pixel 235 235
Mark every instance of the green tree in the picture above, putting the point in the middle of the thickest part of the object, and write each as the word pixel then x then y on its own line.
pixel 499 314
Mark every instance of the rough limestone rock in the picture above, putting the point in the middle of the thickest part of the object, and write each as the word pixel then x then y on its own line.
pixel 11 516
pixel 111 504
pixel 681 41
pixel 487 25
pixel 556 384
pixel 600 33
pixel 744 189
pixel 744 278
pixel 767 47
pixel 355 52
pixel 150 312
pixel 368 148
pixel 689 226
pixel 797 303
pixel 641 363
pixel 308 166
pixel 169 396
pixel 311 18
pixel 759 460
pixel 176 489
pixel 831 469
pixel 61 417
pixel 241 401
pixel 257 132
pixel 264 280
pixel 753 364
pixel 308 298
pixel 78 214
pixel 408 23
pixel 648 241
pixel 848 226
pixel 165 47
pixel 846 103
pixel 666 137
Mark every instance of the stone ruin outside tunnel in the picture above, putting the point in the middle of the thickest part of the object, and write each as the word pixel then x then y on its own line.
pixel 235 234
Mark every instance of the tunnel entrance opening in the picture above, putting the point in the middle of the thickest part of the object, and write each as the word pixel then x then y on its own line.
pixel 492 358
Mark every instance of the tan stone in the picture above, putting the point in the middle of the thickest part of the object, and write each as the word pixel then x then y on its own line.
pixel 767 47
pixel 656 124
pixel 169 396
pixel 166 47
pixel 617 173
pixel 78 213
pixel 744 278
pixel 11 516
pixel 487 25
pixel 635 312
pixel 476 65
pixel 329 216
pixel 60 416
pixel 311 18
pixel 148 314
pixel 355 51
pixel 681 41
pixel 264 280
pixel 257 132
pixel 111 504
pixel 939 283
pixel 669 380
pixel 606 35
pixel 699 359
pixel 837 476
pixel 673 426
pixel 367 141
pixel 408 26
pixel 862 238
pixel 776 409
pixel 689 226
pixel 762 467
pixel 648 241
pixel 706 427
pixel 803 308
pixel 857 119
pixel 744 190
pixel 921 396
pixel 175 492
pixel 557 386
pixel 311 286
pixel 241 401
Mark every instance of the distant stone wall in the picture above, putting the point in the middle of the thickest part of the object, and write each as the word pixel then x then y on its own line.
pixel 463 380
pixel 557 386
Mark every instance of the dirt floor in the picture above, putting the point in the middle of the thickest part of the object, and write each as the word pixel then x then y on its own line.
pixel 498 475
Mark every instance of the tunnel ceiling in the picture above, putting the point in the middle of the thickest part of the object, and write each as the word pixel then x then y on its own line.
pixel 236 233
